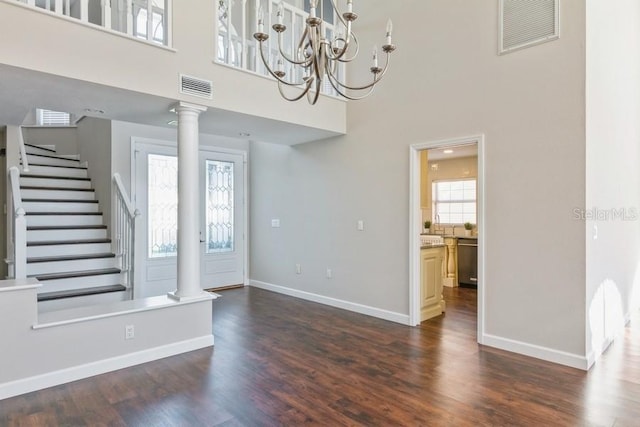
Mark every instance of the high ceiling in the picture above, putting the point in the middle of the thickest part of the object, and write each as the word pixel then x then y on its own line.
pixel 22 90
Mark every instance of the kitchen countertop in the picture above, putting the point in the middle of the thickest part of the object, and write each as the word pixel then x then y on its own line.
pixel 439 245
pixel 449 236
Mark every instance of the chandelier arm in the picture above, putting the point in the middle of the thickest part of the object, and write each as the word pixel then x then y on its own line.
pixel 284 55
pixel 376 79
pixel 296 98
pixel 272 73
pixel 316 94
pixel 357 44
pixel 336 86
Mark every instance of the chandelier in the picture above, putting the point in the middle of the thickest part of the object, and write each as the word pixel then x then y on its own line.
pixel 320 57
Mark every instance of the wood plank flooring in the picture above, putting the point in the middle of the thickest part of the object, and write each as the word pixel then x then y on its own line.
pixel 283 361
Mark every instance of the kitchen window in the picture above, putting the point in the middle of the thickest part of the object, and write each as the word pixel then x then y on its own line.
pixel 455 202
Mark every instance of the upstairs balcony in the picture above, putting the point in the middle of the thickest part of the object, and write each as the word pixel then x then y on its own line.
pixel 128 59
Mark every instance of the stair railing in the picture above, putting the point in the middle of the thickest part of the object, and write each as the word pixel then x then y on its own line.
pixel 17 265
pixel 124 232
pixel 23 151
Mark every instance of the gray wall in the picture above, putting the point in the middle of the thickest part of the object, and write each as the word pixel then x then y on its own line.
pixel 65 139
pixel 447 83
pixel 3 197
pixel 94 147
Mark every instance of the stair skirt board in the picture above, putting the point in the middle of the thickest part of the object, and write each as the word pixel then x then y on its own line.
pixel 71 218
pixel 47 233
pixel 68 249
pixel 64 265
pixel 51 159
pixel 63 304
pixel 32 206
pixel 58 171
pixel 58 194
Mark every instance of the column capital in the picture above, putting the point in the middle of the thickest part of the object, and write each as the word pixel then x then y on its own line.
pixel 187 106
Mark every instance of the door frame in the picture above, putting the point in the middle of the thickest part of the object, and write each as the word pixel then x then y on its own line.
pixel 135 140
pixel 415 225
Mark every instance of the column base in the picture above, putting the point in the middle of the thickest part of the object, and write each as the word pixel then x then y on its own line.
pixel 201 296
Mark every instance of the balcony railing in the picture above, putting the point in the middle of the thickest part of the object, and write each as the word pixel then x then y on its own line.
pixel 142 19
pixel 236 23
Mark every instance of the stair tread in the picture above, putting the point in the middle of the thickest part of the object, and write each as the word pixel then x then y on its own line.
pixel 70 257
pixel 64 213
pixel 59 166
pixel 66 227
pixel 41 148
pixel 32 187
pixel 32 175
pixel 49 296
pixel 72 274
pixel 52 157
pixel 68 242
pixel 60 200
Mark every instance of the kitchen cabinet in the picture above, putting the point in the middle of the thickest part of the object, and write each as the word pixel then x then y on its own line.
pixel 431 275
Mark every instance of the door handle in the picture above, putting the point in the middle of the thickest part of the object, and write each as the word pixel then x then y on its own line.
pixel 201 239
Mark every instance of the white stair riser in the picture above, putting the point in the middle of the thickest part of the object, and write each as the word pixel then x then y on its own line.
pixel 79 234
pixel 76 249
pixel 57 194
pixel 49 182
pixel 57 161
pixel 38 150
pixel 53 220
pixel 34 268
pixel 60 207
pixel 67 303
pixel 54 171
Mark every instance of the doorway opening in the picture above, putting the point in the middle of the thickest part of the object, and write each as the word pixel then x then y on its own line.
pixel 447 195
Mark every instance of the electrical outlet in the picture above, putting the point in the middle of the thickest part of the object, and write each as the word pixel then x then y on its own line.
pixel 298 269
pixel 129 332
pixel 329 273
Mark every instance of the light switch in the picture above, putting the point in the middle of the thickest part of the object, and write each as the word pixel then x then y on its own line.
pixel 275 223
pixel 360 225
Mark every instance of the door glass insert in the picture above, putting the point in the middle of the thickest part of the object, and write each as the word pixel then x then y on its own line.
pixel 219 206
pixel 163 206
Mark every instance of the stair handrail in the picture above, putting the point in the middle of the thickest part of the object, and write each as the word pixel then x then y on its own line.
pixel 124 231
pixel 23 150
pixel 19 227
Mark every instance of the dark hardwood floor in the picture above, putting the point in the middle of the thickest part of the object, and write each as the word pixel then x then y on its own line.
pixel 283 361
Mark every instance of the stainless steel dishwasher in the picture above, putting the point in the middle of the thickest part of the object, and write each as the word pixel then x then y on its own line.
pixel 468 262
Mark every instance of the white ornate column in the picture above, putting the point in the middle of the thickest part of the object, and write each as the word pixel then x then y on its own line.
pixel 188 202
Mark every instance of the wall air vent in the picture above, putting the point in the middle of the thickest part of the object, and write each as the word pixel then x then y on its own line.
pixel 196 87
pixel 524 23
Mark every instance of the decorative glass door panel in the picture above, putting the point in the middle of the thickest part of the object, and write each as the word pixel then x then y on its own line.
pixel 219 206
pixel 162 205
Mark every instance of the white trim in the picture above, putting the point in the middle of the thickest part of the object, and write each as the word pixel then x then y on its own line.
pixel 63 376
pixel 415 225
pixel 556 356
pixel 333 302
pixel 595 354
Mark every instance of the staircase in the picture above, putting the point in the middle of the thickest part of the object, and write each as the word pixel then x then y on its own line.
pixel 67 246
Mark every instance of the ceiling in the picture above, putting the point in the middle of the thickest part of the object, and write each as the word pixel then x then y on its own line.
pixel 22 90
pixel 466 150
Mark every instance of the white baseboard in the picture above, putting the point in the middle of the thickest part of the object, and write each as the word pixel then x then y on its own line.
pixel 539 352
pixel 50 379
pixel 333 302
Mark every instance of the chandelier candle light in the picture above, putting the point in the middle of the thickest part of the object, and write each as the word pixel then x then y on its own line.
pixel 320 57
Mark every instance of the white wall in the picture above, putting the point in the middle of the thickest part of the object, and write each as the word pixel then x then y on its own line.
pixel 41 357
pixel 613 178
pixel 94 147
pixel 447 83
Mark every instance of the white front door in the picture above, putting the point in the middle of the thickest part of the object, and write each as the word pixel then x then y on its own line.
pixel 221 219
